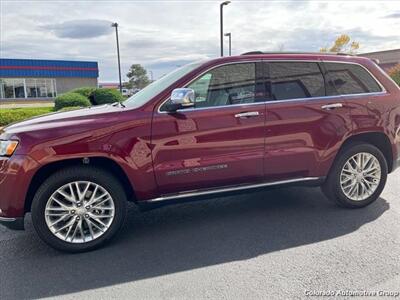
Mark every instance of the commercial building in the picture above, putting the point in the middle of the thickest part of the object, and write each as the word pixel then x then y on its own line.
pixel 387 59
pixel 109 85
pixel 34 79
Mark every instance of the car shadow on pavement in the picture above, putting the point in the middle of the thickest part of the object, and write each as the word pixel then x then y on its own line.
pixel 180 238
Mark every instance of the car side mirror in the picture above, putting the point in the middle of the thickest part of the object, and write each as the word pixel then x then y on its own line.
pixel 181 98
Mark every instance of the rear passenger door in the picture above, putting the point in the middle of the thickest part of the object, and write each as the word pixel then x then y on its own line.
pixel 305 120
pixel 360 90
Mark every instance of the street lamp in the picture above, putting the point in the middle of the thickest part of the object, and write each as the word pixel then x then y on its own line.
pixel 151 75
pixel 230 42
pixel 119 62
pixel 221 20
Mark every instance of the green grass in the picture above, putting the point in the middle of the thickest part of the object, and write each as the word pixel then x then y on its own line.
pixel 11 115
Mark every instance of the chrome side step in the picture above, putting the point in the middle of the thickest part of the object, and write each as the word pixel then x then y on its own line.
pixel 230 189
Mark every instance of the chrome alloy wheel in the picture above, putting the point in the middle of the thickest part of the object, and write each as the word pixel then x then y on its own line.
pixel 79 212
pixel 360 176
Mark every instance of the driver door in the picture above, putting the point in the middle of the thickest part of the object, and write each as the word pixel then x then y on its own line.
pixel 219 142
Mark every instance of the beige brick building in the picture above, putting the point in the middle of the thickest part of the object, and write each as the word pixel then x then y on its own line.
pixel 387 59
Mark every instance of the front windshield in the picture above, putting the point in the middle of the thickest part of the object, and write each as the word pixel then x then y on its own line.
pixel 159 85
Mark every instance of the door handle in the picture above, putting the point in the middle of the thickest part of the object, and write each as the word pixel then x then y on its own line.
pixel 247 114
pixel 332 106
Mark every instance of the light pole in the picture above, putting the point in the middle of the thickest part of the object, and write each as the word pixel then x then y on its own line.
pixel 230 42
pixel 119 62
pixel 221 20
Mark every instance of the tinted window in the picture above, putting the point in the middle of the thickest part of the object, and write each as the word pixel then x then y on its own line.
pixel 226 85
pixel 293 80
pixel 201 87
pixel 351 79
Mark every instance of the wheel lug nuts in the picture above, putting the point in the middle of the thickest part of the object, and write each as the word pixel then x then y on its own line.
pixel 78 218
pixel 72 211
pixel 86 216
pixel 87 207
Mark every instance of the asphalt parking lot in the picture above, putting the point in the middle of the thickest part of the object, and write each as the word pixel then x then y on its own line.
pixel 274 244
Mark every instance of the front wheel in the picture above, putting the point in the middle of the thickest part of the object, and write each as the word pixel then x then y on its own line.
pixel 357 177
pixel 78 209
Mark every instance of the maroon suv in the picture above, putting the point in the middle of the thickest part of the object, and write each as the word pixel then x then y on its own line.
pixel 223 125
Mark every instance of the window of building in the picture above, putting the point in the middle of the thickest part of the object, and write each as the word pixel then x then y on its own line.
pixel 11 88
pixel 51 91
pixel 8 85
pixel 41 87
pixel 31 88
pixel 2 89
pixel 295 80
pixel 19 89
pixel 351 79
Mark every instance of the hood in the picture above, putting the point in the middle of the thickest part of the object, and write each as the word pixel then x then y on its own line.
pixel 80 118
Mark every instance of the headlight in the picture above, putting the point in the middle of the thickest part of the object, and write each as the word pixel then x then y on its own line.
pixel 7 148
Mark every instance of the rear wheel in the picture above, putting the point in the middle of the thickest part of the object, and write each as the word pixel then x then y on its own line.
pixel 78 209
pixel 357 177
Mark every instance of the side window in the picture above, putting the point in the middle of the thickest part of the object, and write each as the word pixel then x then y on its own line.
pixel 294 80
pixel 201 87
pixel 351 79
pixel 226 85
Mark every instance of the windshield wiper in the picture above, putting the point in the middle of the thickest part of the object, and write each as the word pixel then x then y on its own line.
pixel 119 103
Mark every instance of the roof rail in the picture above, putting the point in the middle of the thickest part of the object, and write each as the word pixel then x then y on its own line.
pixel 343 53
pixel 294 52
pixel 253 52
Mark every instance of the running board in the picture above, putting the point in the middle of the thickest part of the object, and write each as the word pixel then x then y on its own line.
pixel 199 193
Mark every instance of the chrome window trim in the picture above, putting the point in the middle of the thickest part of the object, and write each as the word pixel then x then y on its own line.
pixel 221 106
pixel 217 190
pixel 325 97
pixel 382 92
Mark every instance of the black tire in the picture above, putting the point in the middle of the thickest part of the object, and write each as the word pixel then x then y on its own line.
pixel 332 188
pixel 65 176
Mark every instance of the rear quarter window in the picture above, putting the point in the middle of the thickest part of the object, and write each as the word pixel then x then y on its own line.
pixel 351 79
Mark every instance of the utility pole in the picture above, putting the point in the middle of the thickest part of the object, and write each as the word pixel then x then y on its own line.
pixel 119 61
pixel 230 42
pixel 221 25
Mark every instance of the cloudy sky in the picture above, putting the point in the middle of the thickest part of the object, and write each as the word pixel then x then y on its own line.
pixel 162 35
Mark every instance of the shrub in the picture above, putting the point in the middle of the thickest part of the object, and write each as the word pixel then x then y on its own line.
pixel 12 115
pixel 84 91
pixel 70 108
pixel 104 96
pixel 395 73
pixel 70 100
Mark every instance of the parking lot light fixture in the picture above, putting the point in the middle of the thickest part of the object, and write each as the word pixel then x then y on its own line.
pixel 229 35
pixel 119 61
pixel 221 19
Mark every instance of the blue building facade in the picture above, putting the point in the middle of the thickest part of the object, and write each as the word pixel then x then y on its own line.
pixel 43 79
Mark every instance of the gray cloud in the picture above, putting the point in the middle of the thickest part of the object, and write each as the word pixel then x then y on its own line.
pixel 80 29
pixel 304 39
pixel 164 34
pixel 395 15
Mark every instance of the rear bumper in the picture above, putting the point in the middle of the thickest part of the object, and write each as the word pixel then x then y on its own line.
pixel 13 223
